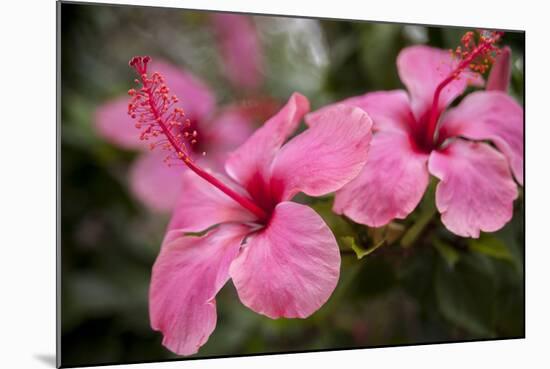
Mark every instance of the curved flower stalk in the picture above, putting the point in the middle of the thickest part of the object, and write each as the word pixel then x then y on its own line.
pixel 218 129
pixel 475 149
pixel 281 256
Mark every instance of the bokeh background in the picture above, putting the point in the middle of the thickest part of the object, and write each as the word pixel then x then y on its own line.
pixel 420 285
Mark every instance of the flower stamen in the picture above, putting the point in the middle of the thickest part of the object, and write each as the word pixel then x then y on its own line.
pixel 474 55
pixel 153 108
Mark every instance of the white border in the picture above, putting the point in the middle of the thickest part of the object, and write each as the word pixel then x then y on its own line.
pixel 27 184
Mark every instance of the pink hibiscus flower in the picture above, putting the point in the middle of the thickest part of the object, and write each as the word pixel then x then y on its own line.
pixel 474 149
pixel 240 48
pixel 217 131
pixel 281 256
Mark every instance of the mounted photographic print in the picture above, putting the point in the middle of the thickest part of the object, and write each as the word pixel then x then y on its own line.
pixel 244 184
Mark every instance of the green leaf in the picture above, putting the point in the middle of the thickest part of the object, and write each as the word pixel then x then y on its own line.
pixel 360 251
pixel 352 236
pixel 491 246
pixel 336 223
pixel 466 294
pixel 447 252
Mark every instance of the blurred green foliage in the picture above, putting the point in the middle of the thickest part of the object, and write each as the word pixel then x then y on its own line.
pixel 410 282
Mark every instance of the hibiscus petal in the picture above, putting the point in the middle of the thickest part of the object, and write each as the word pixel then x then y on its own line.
pixel 290 268
pixel 201 205
pixel 186 277
pixel 389 110
pixel 476 192
pixel 421 68
pixel 499 78
pixel 240 49
pixel 256 154
pixel 115 125
pixel 391 184
pixel 490 115
pixel 194 96
pixel 326 156
pixel 155 183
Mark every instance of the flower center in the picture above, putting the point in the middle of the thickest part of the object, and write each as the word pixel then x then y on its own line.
pixel 475 54
pixel 153 108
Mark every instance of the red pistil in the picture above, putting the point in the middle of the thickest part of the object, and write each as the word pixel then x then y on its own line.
pixel 153 108
pixel 474 56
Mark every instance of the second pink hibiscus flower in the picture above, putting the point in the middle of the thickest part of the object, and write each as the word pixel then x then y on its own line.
pixel 415 137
